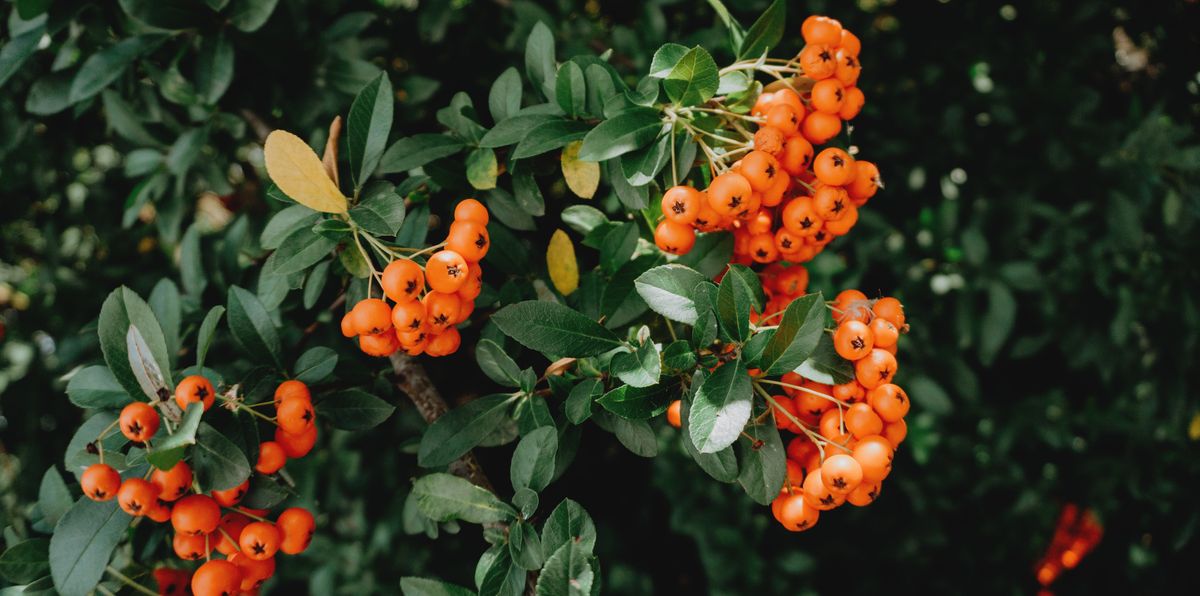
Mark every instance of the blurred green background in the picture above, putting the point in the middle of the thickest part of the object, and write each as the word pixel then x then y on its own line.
pixel 1039 223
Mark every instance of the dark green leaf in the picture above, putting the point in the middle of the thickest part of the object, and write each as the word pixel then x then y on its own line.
pixel 354 409
pixel 105 66
pixel 208 328
pixel 825 365
pixel 251 326
pixel 765 33
pixel 763 463
pixel 525 546
pixel 513 129
pixel 639 369
pixel 721 408
pixel 579 403
pixel 667 290
pixel 415 151
pixel 552 328
pixel 571 89
pixel 168 14
pixel 461 429
pixel 217 461
pixel 797 336
pixel 496 363
pixel 482 168
pixel 96 387
pixel 169 449
pixel 504 207
pixel 381 210
pixel 315 365
pixel 250 15
pixel 367 127
pixel 419 586
pixel 627 131
pixel 710 255
pixel 504 99
pixel 533 460
pixel 548 136
pixel 539 60
pixel 82 543
pixel 721 465
pixel 26 561
pixel 567 572
pixel 693 80
pixel 443 497
pixel 665 59
pixel 569 522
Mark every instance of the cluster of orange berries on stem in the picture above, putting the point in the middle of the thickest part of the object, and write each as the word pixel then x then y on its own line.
pixel 781 202
pixel 1075 535
pixel 421 322
pixel 245 536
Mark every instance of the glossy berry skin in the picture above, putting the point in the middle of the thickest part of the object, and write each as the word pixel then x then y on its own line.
pixel 889 401
pixel 232 496
pixel 875 369
pixel 100 482
pixel 864 495
pixel 254 572
pixel 833 166
pixel 380 345
pixel 444 343
pixel 794 512
pixel 195 515
pixel 862 421
pixel 674 411
pixel 295 415
pixel 271 458
pixel 681 204
pixel 259 540
pixel 473 210
pixel 139 421
pixel 408 317
pixel 841 473
pixel 874 453
pixel 403 280
pixel 371 316
pixel 230 529
pixel 853 340
pixel 446 271
pixel 674 238
pixel 469 239
pixel 291 388
pixel 137 496
pixel 298 445
pixel 191 547
pixel 217 577
pixel 173 483
pixel 296 527
pixel 195 389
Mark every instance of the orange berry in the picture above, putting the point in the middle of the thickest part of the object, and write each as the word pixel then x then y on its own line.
pixel 848 68
pixel 446 271
pixel 139 421
pixel 231 496
pixel 864 495
pixel 895 432
pixel 100 482
pixel 681 204
pixel 784 410
pixel 889 401
pixel 441 310
pixel 850 42
pixel 865 182
pixel 674 413
pixel 348 326
pixel 852 103
pixel 885 332
pixel 136 496
pixel 818 495
pixel 191 547
pixel 827 96
pixel 402 280
pixel 444 343
pixel 875 369
pixel 818 61
pixel 774 196
pixel 760 169
pixel 195 389
pixel 674 238
pixel 820 127
pixel 874 453
pixel 159 512
pixel 851 304
pixel 793 281
pixel 818 29
pixel 173 483
pixel 471 289
pixel 172 581
pixel 408 316
pixel 800 217
pixel 380 345
pixel 785 117
pixel 259 540
pixel 196 515
pixel 813 406
pixel 850 392
pixel 296 446
pixel 842 225
pixel 841 473
pixel 890 309
pixel 762 248
pixel 862 421
pixel 800 448
pixel 707 220
pixel 795 513
pixel 797 155
pixel 469 239
pixel 371 316
pixel 830 202
pixel 254 572
pixel 833 166
pixel 291 388
pixel 853 340
pixel 295 415
pixel 296 529
pixel 229 530
pixel 472 210
pixel 271 457
pixel 217 577
pixel 830 424
pixel 769 139
pixel 729 193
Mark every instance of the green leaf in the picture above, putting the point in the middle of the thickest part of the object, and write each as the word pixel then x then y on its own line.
pixel 710 255
pixel 133 344
pixel 693 80
pixel 420 586
pixel 367 127
pixel 381 210
pixel 583 218
pixel 504 99
pixel 251 326
pixel 548 136
pixel 496 363
pixel 77 458
pixel 640 403
pixel 315 365
pixel 503 577
pixel 513 129
pixel 635 435
pixel 443 497
pixel 721 408
pixel 567 572
pixel 739 292
pixel 997 322
pixel 82 543
pixel 825 365
pixel 579 402
pixel 525 546
pixel 571 89
pixel 641 167
pixel 533 460
pixel 667 290
pixel 797 336
pixel 217 461
pixel 539 60
pixel 264 493
pixel 482 168
pixel 638 369
pixel 165 303
pixel 167 14
pixel 168 450
pixel 736 32
pixel 618 246
pixel 527 194
pixel 568 523
pixel 96 387
pixel 54 498
pixel 250 15
pixel 632 129
pixel 208 328
pixel 18 49
pixel 354 409
pixel 722 464
pixel 504 207
pixel 214 67
pixel 665 59
pixel 633 198
pixel 678 356
pixel 413 152
pixel 460 430
pixel 300 250
pixel 763 464
pixel 705 329
pixel 105 66
pixel 26 561
pixel 765 33
pixel 552 328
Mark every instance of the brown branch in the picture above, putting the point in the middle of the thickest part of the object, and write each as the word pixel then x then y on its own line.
pixel 260 127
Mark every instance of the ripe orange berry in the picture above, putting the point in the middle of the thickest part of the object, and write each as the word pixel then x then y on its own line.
pixel 890 309
pixel 296 529
pixel 830 202
pixel 446 271
pixel 137 496
pixel 850 42
pixel 830 424
pixel 173 483
pixel 793 281
pixel 371 316
pixel 796 156
pixel 254 573
pixel 842 225
pixel 172 581
pixel 895 432
pixel 402 280
pixel 865 183
pixel 763 249
pixel 681 204
pixel 811 405
pixel 674 413
pixel 159 511
pixel 818 61
pixel 259 540
pixel 100 482
pixel 441 310
pixel 271 457
pixel 761 223
pixel 818 29
pixel 296 446
pixel 853 340
pixel 850 392
pixel 785 117
pixel 820 127
pixel 471 289
pixel 291 388
pixel 800 217
pixel 348 326
pixel 875 369
pixel 295 415
pixel 191 547
pixel 864 495
pixel 784 410
pixel 230 529
pixel 848 68
pixel 827 96
pixel 469 239
pixel 760 170
pixel 769 139
pixel 852 103
pixel 408 316
pixel 380 345
pixel 833 166
pixel 675 238
pixel 795 475
pixel 885 332
pixel 799 448
pixel 217 577
pixel 787 243
pixel 139 421
pixel 851 304
pixel 231 496
pixel 729 193
pixel 472 210
pixel 774 195
pixel 889 401
pixel 862 421
pixel 818 495
pixel 196 515
pixel 874 453
pixel 841 473
pixel 795 513
pixel 444 343
pixel 194 389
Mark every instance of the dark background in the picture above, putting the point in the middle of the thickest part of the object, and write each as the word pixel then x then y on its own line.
pixel 1039 223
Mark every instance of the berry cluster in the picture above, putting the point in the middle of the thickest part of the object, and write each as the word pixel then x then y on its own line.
pixel 419 321
pixel 780 202
pixel 1075 535
pixel 245 536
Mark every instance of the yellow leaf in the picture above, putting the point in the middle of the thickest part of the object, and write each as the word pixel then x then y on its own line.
pixel 1194 428
pixel 299 173
pixel 560 261
pixel 583 177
